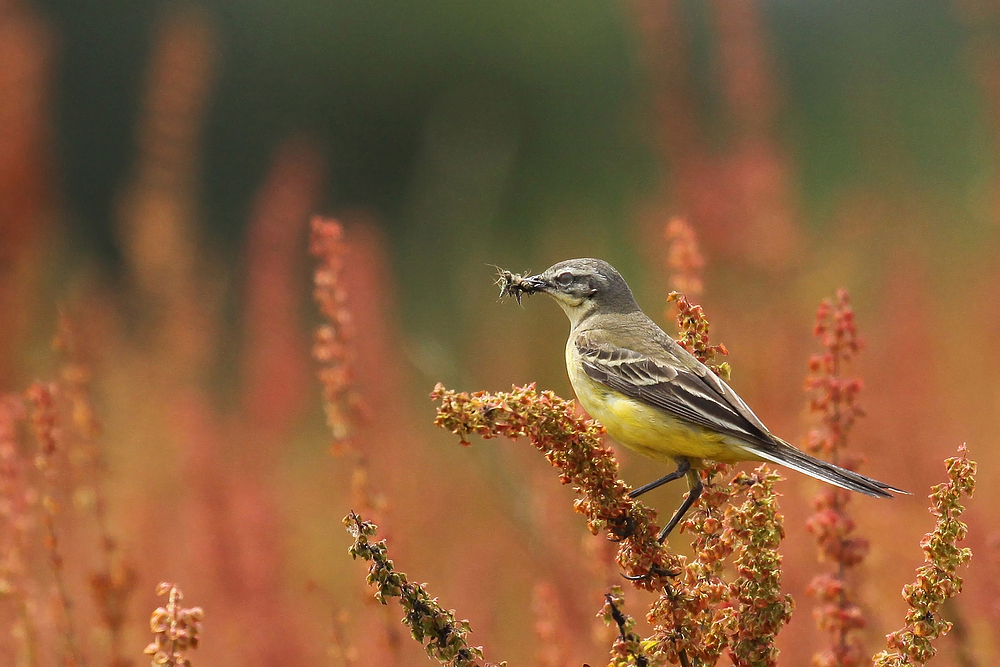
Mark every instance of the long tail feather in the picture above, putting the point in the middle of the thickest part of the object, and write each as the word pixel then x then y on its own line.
pixel 787 455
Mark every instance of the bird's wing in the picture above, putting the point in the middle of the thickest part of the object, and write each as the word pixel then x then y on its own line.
pixel 673 380
pixel 665 375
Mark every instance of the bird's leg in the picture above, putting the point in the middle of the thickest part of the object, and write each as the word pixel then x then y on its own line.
pixel 683 465
pixel 694 481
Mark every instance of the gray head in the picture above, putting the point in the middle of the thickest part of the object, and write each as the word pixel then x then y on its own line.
pixel 583 287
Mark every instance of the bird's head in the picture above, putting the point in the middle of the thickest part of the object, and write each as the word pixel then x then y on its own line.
pixel 580 286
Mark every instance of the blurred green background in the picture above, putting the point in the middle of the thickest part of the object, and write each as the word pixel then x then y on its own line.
pixel 493 131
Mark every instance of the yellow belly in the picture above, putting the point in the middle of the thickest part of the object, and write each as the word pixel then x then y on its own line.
pixel 649 430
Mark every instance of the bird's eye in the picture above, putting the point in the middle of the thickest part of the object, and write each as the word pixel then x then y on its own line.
pixel 565 279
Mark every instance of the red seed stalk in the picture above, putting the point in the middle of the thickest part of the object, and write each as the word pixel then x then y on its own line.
pixel 46 427
pixel 684 259
pixel 113 582
pixel 832 399
pixel 686 264
pixel 331 347
pixel 16 523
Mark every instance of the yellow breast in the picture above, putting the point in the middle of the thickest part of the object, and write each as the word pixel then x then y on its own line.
pixel 646 429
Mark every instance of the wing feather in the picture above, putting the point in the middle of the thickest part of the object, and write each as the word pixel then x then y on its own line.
pixel 674 387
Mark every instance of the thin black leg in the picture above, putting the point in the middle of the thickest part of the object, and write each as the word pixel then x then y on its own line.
pixel 683 465
pixel 692 496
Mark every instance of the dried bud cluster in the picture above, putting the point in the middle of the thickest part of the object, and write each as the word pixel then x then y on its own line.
pixel 177 629
pixel 694 334
pixel 432 625
pixel 937 580
pixel 627 649
pixel 759 609
pixel 832 399
pixel 331 347
pixel 688 618
pixel 573 445
pixel 701 616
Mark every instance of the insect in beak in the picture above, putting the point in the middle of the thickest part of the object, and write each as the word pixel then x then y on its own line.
pixel 517 285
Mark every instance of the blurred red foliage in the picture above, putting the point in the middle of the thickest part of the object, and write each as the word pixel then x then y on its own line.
pixel 27 200
pixel 739 196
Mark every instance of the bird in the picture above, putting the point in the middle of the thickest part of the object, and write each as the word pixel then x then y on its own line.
pixel 652 395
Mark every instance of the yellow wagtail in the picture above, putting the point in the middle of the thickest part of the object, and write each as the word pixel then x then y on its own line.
pixel 651 394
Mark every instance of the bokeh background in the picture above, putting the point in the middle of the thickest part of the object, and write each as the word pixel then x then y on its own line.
pixel 159 163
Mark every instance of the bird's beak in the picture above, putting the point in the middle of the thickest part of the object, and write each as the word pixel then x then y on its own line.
pixel 534 284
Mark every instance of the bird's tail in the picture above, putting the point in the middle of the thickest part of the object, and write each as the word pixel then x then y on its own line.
pixel 787 455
